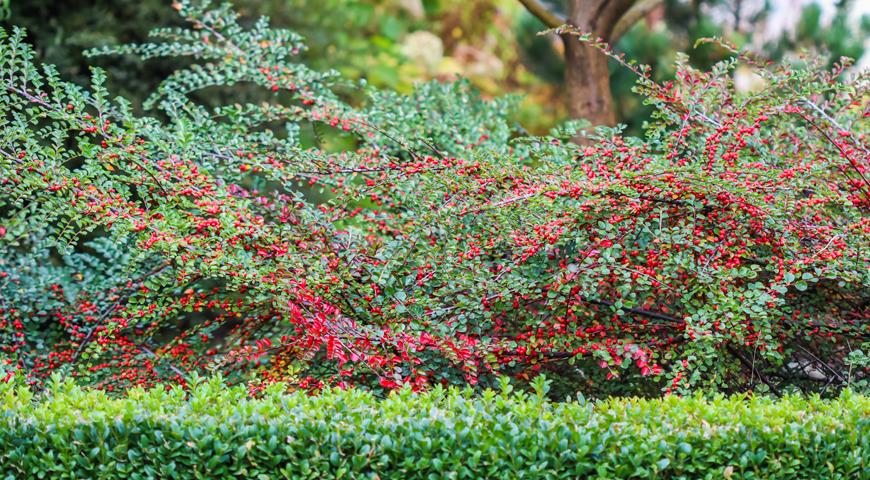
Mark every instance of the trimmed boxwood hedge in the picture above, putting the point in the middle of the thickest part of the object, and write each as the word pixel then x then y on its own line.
pixel 213 431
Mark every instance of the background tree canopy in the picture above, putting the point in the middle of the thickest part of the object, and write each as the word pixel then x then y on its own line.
pixel 494 43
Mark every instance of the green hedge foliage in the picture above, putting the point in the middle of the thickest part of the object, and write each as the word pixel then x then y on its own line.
pixel 212 431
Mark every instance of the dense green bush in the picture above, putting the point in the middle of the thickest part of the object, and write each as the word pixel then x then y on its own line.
pixel 215 432
pixel 725 250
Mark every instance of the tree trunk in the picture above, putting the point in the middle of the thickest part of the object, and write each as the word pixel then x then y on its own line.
pixel 587 83
pixel 587 78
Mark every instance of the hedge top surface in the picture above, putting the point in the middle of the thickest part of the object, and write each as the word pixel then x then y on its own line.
pixel 444 433
pixel 67 403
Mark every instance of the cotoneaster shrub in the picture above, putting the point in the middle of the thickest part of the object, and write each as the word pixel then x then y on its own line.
pixel 421 240
pixel 215 432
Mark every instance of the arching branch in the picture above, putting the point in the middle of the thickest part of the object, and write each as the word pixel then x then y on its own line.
pixel 637 11
pixel 544 14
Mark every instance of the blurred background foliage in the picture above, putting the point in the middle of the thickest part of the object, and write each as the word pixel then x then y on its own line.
pixel 392 44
